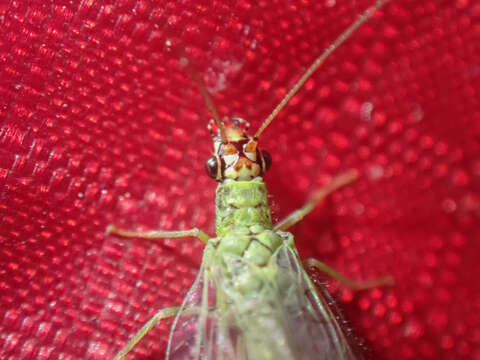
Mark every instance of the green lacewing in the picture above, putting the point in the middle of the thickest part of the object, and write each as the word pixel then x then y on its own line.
pixel 252 298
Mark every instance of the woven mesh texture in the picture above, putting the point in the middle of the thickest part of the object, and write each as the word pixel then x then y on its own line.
pixel 100 124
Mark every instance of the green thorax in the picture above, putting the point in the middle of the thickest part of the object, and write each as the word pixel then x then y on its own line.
pixel 242 204
pixel 244 224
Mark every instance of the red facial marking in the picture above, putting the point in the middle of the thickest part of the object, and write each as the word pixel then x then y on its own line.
pixel 243 161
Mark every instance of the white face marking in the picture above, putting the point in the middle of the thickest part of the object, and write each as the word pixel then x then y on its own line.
pixel 248 154
pixel 243 174
pixel 230 159
pixel 251 156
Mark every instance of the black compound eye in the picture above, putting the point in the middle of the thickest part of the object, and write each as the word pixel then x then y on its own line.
pixel 211 165
pixel 267 158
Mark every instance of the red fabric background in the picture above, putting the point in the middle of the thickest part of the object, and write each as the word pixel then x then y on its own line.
pixel 99 125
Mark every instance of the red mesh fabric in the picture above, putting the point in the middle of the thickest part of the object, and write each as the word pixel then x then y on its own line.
pixel 99 125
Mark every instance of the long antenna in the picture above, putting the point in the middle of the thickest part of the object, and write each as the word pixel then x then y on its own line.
pixel 367 14
pixel 197 79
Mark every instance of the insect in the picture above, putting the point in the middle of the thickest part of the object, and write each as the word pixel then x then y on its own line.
pixel 252 298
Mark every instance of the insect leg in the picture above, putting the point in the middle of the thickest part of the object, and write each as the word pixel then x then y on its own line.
pixel 351 284
pixel 338 182
pixel 158 234
pixel 149 325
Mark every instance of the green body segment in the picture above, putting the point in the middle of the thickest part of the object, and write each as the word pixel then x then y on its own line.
pixel 244 224
pixel 254 298
pixel 265 306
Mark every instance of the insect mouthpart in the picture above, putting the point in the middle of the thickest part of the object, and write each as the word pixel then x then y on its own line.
pixel 236 156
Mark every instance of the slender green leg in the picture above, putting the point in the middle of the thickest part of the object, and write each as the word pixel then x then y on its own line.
pixel 294 217
pixel 338 182
pixel 158 234
pixel 164 313
pixel 149 325
pixel 351 284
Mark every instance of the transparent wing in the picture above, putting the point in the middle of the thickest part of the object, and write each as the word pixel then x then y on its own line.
pixel 309 312
pixel 237 310
pixel 200 328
